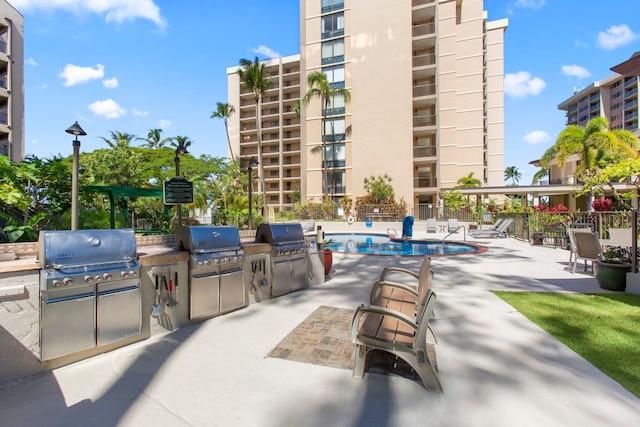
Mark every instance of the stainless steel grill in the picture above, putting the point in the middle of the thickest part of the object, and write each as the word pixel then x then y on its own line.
pixel 288 256
pixel 216 269
pixel 90 289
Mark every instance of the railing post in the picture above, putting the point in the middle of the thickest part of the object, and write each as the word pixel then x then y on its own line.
pixel 634 241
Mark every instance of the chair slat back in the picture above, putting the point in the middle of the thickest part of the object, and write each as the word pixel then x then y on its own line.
pixel 587 245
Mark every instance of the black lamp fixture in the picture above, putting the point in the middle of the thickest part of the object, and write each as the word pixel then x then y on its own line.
pixel 252 162
pixel 180 149
pixel 76 130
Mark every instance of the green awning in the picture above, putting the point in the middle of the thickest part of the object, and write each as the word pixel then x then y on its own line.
pixel 116 192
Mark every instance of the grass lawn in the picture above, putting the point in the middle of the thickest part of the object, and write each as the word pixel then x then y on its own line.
pixel 602 328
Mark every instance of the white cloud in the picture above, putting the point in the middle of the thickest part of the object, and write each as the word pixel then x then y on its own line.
pixel 616 36
pixel 537 137
pixel 530 4
pixel 75 75
pixel 108 109
pixel 30 61
pixel 164 124
pixel 139 113
pixel 268 52
pixel 580 44
pixel 110 83
pixel 115 10
pixel 575 71
pixel 521 85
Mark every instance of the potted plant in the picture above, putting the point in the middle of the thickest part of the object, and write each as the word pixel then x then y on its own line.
pixel 611 271
pixel 328 257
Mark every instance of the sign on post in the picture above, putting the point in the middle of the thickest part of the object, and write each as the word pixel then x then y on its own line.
pixel 178 191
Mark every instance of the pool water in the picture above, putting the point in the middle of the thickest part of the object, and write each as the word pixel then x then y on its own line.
pixel 380 244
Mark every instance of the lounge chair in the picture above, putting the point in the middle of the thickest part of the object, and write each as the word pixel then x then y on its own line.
pixel 452 225
pixel 310 226
pixel 587 248
pixel 493 227
pixel 500 231
pixel 572 244
pixel 432 225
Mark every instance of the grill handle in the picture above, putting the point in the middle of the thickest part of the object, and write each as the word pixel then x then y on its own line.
pixel 61 266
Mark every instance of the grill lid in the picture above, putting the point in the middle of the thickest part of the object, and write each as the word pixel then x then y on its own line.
pixel 64 248
pixel 202 239
pixel 280 234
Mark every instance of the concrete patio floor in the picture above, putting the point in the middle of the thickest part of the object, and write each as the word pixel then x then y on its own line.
pixel 496 367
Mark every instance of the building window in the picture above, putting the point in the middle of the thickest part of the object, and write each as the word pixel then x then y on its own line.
pixel 333 25
pixel 335 75
pixel 331 5
pixel 336 181
pixel 336 104
pixel 335 156
pixel 333 51
pixel 334 130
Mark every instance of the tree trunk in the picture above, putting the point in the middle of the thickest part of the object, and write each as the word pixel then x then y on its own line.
pixel 226 128
pixel 260 160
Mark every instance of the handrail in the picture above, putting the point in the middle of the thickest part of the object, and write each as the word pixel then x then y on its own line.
pixel 455 231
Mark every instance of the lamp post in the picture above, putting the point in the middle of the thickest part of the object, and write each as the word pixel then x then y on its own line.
pixel 252 162
pixel 76 130
pixel 180 149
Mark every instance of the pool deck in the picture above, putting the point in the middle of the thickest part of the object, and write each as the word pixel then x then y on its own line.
pixel 496 367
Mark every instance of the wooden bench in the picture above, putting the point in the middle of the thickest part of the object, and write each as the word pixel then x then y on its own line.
pixel 397 321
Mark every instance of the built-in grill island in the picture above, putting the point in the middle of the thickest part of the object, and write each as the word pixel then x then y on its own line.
pixel 216 269
pixel 288 256
pixel 90 289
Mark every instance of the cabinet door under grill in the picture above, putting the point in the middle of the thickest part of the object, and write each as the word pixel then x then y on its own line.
pixel 232 295
pixel 205 295
pixel 119 311
pixel 281 277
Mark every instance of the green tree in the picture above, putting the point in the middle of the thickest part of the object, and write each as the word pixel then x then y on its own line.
pixel 319 87
pixel 591 142
pixel 224 111
pixel 469 182
pixel 379 188
pixel 119 140
pixel 542 173
pixel 512 173
pixel 254 78
pixel 154 139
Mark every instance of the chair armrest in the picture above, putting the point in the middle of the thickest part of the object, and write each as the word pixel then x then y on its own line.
pixel 365 310
pixel 375 289
pixel 397 270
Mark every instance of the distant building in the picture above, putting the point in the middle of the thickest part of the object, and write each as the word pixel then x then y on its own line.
pixel 427 101
pixel 11 82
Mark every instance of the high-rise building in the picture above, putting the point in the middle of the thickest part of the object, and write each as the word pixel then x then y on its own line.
pixel 11 82
pixel 427 100
pixel 615 98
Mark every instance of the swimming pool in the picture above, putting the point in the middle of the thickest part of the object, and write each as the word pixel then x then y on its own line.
pixel 381 244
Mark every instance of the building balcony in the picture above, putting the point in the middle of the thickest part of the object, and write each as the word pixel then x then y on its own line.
pixel 334 33
pixel 336 5
pixel 630 81
pixel 425 182
pixel 418 3
pixel 633 104
pixel 419 152
pixel 629 93
pixel 424 90
pixel 424 120
pixel 630 116
pixel 423 29
pixel 424 60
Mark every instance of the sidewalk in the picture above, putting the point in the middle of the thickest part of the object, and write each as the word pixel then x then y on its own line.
pixel 496 367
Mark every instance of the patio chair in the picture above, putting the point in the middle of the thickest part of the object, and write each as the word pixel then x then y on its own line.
pixel 310 226
pixel 500 231
pixel 619 237
pixel 587 248
pixel 493 227
pixel 572 244
pixel 452 224
pixel 432 225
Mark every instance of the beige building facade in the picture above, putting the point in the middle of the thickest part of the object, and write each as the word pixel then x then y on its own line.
pixel 427 99
pixel 11 82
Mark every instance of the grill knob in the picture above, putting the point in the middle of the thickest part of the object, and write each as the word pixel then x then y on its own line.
pixel 98 278
pixel 67 281
pixel 124 274
pixel 88 278
pixel 106 276
pixel 132 273
pixel 56 283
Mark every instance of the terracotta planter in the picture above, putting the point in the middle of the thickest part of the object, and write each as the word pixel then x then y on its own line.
pixel 611 276
pixel 328 261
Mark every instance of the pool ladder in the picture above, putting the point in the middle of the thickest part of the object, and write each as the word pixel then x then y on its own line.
pixel 455 231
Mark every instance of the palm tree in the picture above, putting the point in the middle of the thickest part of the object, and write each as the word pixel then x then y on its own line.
pixel 224 111
pixel 118 140
pixel 320 87
pixel 181 142
pixel 154 139
pixel 253 76
pixel 543 172
pixel 590 142
pixel 512 173
pixel 470 182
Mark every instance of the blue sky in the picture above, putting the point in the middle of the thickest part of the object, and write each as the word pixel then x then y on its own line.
pixel 133 65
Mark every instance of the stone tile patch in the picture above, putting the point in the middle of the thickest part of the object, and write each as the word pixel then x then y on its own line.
pixel 324 338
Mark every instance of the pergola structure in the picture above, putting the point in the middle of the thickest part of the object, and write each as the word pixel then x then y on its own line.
pixel 116 192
